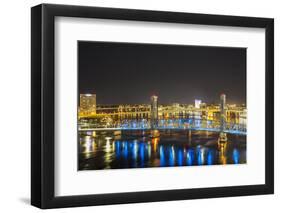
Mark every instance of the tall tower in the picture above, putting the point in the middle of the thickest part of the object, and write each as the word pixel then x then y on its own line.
pixel 88 104
pixel 222 138
pixel 154 112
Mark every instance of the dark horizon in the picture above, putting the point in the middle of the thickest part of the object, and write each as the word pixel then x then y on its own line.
pixel 129 73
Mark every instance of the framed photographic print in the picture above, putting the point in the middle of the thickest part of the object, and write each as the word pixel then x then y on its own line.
pixel 140 106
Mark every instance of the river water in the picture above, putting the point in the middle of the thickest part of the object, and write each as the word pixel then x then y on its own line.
pixel 141 149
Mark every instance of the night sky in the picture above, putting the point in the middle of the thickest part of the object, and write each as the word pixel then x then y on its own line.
pixel 129 73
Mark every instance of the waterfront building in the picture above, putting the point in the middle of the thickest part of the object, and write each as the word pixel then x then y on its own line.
pixel 88 104
pixel 197 103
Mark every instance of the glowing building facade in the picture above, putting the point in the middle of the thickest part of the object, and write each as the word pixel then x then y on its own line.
pixel 197 103
pixel 88 104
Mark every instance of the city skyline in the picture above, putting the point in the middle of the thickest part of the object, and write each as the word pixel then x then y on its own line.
pixel 174 84
pixel 196 102
pixel 145 116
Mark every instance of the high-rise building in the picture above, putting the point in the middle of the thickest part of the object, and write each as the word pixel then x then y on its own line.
pixel 88 104
pixel 197 103
pixel 154 111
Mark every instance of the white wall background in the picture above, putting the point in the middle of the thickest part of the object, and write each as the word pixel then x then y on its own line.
pixel 15 105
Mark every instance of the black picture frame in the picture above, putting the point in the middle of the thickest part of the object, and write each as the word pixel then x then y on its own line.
pixel 43 102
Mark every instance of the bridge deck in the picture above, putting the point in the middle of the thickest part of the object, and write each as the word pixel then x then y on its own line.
pixel 198 129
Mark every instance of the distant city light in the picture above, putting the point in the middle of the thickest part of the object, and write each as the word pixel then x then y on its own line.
pixel 197 103
pixel 157 116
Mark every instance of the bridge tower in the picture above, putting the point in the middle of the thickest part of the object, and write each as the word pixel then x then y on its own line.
pixel 154 112
pixel 222 138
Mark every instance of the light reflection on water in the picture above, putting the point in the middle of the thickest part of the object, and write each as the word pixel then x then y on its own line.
pixel 139 149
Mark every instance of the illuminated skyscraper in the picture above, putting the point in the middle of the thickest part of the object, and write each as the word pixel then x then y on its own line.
pixel 88 104
pixel 154 112
pixel 197 103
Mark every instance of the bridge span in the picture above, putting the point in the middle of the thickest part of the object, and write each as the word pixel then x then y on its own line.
pixel 198 129
pixel 172 124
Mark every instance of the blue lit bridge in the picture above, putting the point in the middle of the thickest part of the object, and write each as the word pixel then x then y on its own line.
pixel 172 124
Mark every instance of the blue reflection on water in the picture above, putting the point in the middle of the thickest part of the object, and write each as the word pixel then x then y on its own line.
pixel 145 152
pixel 117 149
pixel 171 156
pixel 135 150
pixel 162 156
pixel 210 157
pixel 125 149
pixel 189 157
pixel 180 157
pixel 235 156
pixel 200 155
pixel 142 154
